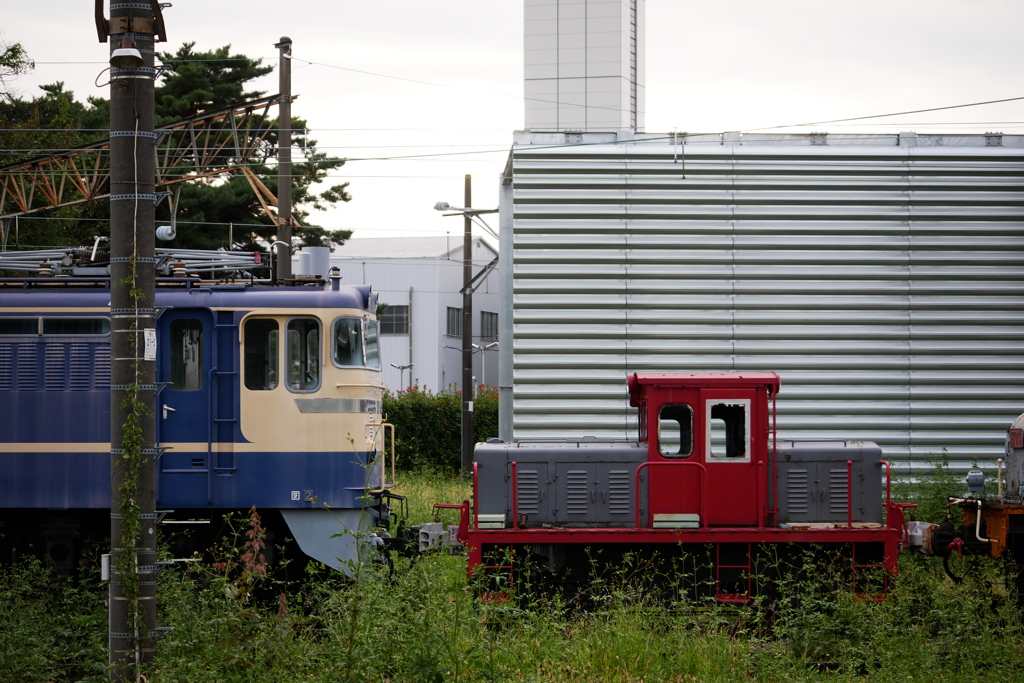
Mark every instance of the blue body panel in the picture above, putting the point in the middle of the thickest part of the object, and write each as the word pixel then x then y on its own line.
pixel 76 417
pixel 266 480
pixel 56 390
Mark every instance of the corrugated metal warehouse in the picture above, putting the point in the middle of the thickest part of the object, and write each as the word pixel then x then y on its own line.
pixel 879 275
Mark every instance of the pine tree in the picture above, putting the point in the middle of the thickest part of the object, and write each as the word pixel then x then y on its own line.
pixel 195 82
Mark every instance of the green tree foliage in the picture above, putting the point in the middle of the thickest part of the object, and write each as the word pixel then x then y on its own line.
pixel 201 82
pixel 48 124
pixel 14 61
pixel 196 82
pixel 428 426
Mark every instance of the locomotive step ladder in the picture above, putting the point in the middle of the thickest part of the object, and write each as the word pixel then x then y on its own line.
pixel 745 571
pixel 495 575
pixel 223 408
pixel 876 567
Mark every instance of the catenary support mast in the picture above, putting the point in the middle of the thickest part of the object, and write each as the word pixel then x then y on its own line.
pixel 467 333
pixel 284 160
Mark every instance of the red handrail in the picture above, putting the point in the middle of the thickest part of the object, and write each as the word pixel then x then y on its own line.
pixel 775 459
pixel 757 493
pixel 515 496
pixel 476 497
pixel 703 486
pixel 849 494
pixel 888 480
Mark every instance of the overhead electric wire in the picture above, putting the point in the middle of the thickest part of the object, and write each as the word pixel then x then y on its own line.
pixel 455 87
pixel 879 116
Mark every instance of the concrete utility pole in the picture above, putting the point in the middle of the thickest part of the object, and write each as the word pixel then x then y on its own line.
pixel 284 160
pixel 467 334
pixel 132 29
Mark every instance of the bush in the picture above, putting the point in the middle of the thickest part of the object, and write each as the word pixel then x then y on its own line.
pixel 54 627
pixel 428 426
pixel 932 490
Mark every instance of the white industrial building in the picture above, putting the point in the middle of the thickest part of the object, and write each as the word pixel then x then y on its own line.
pixel 879 275
pixel 420 278
pixel 584 64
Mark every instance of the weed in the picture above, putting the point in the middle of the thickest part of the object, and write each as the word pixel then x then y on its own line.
pixel 650 621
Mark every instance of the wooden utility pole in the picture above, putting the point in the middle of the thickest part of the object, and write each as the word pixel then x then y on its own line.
pixel 132 29
pixel 284 160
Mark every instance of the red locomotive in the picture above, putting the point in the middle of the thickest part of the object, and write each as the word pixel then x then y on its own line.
pixel 707 490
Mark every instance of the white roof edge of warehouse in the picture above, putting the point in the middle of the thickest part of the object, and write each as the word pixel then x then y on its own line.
pixel 821 141
pixel 404 247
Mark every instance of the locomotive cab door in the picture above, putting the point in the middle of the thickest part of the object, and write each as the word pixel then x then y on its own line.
pixel 185 365
pixel 729 456
pixel 705 450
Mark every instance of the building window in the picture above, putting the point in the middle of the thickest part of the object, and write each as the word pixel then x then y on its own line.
pixel 454 328
pixel 488 326
pixel 395 320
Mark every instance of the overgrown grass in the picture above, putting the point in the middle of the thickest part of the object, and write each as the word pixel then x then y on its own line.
pixel 426 488
pixel 424 623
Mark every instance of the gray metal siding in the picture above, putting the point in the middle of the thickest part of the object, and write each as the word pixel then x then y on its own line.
pixel 879 276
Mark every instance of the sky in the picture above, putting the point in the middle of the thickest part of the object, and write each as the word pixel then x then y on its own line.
pixel 418 94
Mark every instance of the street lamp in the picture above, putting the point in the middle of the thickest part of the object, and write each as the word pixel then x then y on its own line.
pixel 472 214
pixel 468 215
pixel 483 359
pixel 401 372
pixel 127 56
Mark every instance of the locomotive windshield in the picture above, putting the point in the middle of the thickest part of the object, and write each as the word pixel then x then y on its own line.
pixel 372 353
pixel 355 343
pixel 348 341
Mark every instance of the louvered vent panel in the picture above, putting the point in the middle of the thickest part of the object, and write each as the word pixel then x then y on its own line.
pixel 837 491
pixel 80 374
pixel 620 502
pixel 576 493
pixel 101 369
pixel 56 377
pixel 27 374
pixel 797 495
pixel 6 367
pixel 528 492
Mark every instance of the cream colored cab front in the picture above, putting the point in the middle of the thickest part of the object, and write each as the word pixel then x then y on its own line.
pixel 311 382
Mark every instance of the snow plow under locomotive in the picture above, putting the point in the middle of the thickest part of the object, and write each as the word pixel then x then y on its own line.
pixel 707 487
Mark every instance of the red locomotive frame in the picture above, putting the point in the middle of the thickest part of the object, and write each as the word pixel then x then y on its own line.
pixel 726 497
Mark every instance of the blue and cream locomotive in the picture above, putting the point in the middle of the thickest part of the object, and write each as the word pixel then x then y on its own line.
pixel 270 397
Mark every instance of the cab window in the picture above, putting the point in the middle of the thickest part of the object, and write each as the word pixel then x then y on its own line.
pixel 347 342
pixel 303 354
pixel 186 355
pixel 729 429
pixel 261 370
pixel 675 430
pixel 372 351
